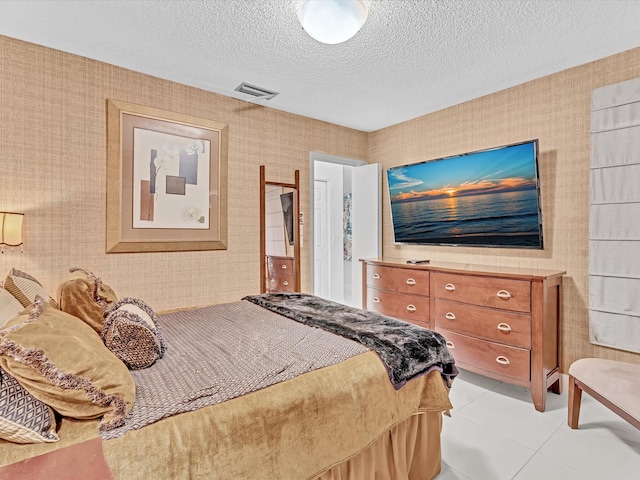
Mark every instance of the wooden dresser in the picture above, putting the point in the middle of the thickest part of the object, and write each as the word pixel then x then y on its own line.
pixel 501 322
pixel 280 274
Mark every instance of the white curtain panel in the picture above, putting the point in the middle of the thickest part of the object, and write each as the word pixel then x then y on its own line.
pixel 614 217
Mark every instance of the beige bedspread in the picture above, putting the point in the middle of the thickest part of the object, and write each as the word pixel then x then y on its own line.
pixel 292 430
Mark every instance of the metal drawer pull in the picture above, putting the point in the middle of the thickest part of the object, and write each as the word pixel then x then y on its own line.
pixel 376 300
pixel 503 294
pixel 376 276
pixel 285 283
pixel 271 264
pixel 411 281
pixel 450 316
pixel 273 280
pixel 502 360
pixel 450 287
pixel 411 308
pixel 284 267
pixel 450 344
pixel 504 327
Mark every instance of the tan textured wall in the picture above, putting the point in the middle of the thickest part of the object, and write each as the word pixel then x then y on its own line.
pixel 556 110
pixel 53 164
pixel 53 167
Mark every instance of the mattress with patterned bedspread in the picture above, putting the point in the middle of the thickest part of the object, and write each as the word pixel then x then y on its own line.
pixel 221 352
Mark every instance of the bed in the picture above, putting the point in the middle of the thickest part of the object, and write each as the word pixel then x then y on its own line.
pixel 265 396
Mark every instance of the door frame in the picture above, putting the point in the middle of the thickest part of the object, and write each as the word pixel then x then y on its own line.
pixel 321 157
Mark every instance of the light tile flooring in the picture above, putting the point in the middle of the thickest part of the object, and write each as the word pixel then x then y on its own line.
pixel 495 433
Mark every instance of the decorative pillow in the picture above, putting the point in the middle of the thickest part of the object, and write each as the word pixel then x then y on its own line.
pixel 9 307
pixel 131 332
pixel 25 288
pixel 86 297
pixel 24 418
pixel 61 361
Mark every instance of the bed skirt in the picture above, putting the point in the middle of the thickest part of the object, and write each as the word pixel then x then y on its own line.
pixel 410 450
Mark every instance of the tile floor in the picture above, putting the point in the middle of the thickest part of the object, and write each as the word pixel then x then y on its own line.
pixel 495 433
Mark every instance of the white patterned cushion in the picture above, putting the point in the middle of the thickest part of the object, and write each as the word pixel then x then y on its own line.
pixel 23 418
pixel 9 307
pixel 25 288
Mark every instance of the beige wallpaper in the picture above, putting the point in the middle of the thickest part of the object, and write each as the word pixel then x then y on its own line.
pixel 53 164
pixel 556 110
pixel 53 167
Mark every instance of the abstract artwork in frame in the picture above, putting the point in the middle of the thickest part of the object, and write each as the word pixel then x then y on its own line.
pixel 166 181
pixel 347 227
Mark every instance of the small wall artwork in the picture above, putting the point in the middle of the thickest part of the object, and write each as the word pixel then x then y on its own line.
pixel 347 226
pixel 170 181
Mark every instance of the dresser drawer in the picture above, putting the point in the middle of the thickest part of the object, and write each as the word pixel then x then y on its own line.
pixel 281 283
pixel 508 328
pixel 412 308
pixel 510 361
pixel 280 265
pixel 402 280
pixel 507 294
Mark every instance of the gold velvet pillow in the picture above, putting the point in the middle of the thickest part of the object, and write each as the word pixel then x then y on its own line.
pixel 86 297
pixel 25 288
pixel 61 361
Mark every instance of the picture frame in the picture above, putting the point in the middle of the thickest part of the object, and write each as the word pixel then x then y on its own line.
pixel 166 180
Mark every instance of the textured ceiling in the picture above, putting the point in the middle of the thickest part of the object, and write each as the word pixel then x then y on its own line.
pixel 412 57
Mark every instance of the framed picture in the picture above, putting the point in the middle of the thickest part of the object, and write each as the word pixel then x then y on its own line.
pixel 166 181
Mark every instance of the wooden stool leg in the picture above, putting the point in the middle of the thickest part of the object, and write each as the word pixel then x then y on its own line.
pixel 575 396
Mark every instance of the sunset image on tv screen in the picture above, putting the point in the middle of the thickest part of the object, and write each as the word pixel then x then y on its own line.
pixel 487 198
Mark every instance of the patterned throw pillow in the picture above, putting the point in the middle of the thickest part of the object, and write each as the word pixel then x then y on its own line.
pixel 9 307
pixel 131 332
pixel 86 297
pixel 61 361
pixel 25 288
pixel 24 418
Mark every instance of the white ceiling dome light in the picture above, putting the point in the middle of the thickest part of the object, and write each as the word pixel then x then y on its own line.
pixel 332 21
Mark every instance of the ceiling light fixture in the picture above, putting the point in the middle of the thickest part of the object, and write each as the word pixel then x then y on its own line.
pixel 332 21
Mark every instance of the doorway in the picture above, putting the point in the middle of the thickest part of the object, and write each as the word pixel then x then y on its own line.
pixel 345 209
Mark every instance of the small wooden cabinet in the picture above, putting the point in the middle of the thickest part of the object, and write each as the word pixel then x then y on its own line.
pixel 499 322
pixel 280 274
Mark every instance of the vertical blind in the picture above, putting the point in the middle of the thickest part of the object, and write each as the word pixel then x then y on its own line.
pixel 614 217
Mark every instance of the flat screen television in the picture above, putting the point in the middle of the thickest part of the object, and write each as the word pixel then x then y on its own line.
pixel 488 198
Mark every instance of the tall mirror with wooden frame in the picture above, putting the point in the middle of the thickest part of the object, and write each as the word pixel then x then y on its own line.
pixel 279 235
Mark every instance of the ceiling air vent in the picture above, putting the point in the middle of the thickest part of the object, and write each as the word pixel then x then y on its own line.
pixel 258 92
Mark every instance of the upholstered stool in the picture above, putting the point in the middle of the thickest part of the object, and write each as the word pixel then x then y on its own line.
pixel 614 384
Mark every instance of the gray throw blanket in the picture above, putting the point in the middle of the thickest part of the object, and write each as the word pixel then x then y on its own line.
pixel 406 350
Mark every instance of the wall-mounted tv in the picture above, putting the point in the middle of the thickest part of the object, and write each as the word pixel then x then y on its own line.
pixel 488 198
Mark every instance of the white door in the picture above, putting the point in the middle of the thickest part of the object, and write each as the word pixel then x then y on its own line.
pixel 366 220
pixel 320 240
pixel 363 182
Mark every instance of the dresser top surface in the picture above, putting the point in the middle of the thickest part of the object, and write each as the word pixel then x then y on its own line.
pixel 468 268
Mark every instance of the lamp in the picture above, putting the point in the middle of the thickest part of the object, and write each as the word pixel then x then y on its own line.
pixel 10 229
pixel 332 21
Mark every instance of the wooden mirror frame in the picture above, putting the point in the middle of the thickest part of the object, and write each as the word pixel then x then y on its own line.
pixel 263 228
